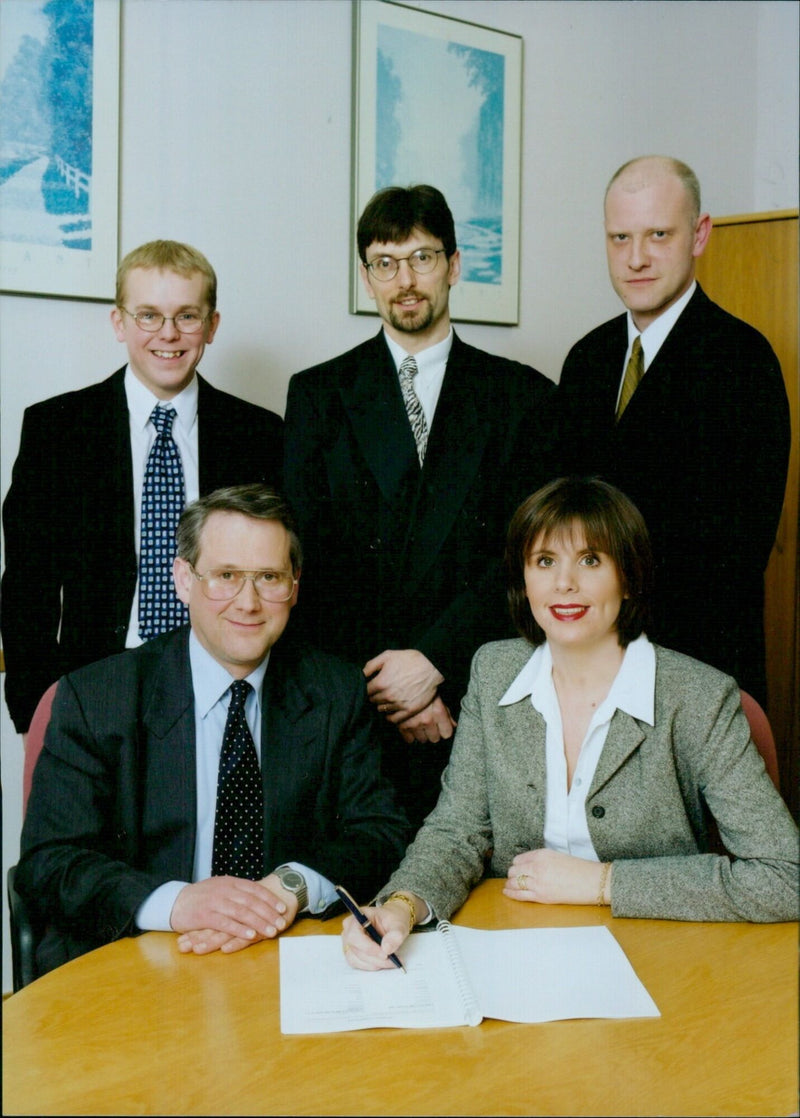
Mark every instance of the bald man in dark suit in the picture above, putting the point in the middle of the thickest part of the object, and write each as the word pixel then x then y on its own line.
pixel 702 443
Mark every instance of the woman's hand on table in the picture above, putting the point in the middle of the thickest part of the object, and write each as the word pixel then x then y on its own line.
pixel 550 877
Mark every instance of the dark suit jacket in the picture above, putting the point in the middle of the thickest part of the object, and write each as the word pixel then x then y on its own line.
pixel 702 449
pixel 112 811
pixel 69 524
pixel 395 556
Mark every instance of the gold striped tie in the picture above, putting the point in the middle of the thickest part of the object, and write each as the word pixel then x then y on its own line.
pixel 634 372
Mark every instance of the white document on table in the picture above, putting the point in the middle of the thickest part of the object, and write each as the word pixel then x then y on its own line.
pixel 457 976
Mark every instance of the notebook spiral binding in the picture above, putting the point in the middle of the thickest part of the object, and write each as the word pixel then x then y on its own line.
pixel 472 1014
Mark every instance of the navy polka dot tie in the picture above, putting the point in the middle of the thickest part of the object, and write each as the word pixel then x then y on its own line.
pixel 160 608
pixel 239 821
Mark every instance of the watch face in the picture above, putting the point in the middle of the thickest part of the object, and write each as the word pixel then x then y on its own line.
pixel 292 880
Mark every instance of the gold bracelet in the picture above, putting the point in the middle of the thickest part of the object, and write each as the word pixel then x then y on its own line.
pixel 412 908
pixel 601 894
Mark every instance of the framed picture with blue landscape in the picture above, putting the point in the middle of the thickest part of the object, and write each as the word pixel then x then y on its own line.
pixel 59 124
pixel 438 100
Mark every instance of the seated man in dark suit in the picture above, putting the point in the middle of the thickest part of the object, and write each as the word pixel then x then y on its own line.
pixel 153 808
pixel 97 469
pixel 695 431
pixel 404 460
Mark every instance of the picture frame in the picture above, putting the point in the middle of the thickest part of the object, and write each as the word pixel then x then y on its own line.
pixel 455 123
pixel 59 146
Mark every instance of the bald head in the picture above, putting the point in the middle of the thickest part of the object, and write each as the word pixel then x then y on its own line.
pixel 645 170
pixel 654 234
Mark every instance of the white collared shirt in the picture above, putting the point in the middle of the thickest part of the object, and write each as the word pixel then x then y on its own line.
pixel 431 367
pixel 632 691
pixel 211 685
pixel 656 333
pixel 141 402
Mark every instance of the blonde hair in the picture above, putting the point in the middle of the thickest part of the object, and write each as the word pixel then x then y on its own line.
pixel 168 256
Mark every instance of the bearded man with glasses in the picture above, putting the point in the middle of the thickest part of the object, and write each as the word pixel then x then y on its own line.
pixel 159 804
pixel 88 482
pixel 404 460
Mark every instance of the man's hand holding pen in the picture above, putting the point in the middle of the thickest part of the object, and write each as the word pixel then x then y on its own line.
pixel 394 921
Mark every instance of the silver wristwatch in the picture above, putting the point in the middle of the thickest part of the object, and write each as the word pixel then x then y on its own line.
pixel 295 883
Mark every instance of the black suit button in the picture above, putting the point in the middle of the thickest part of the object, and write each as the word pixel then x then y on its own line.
pixel 375 545
pixel 598 812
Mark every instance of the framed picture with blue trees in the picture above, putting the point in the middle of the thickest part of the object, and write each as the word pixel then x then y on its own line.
pixel 439 101
pixel 59 123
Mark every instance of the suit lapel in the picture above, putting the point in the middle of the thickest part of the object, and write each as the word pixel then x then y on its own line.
pixel 118 452
pixel 624 737
pixel 607 374
pixel 294 736
pixel 672 359
pixel 524 746
pixel 670 365
pixel 168 718
pixel 210 418
pixel 455 452
pixel 374 405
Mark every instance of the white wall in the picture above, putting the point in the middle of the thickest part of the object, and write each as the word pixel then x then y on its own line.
pixel 235 137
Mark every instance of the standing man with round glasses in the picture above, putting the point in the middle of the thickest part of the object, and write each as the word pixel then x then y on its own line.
pixel 404 459
pixel 103 474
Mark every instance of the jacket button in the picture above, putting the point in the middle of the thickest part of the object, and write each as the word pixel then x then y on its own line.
pixel 598 812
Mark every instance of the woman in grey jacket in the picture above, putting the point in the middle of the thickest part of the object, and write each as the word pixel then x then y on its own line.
pixel 587 760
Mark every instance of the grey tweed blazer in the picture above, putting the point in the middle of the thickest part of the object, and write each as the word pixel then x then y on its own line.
pixel 646 808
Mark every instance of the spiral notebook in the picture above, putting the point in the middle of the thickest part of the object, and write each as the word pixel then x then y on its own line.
pixel 458 976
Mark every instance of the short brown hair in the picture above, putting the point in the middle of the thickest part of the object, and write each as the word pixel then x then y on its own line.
pixel 392 215
pixel 260 502
pixel 611 523
pixel 168 256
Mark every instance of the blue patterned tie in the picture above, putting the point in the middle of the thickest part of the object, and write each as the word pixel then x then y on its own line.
pixel 239 818
pixel 160 609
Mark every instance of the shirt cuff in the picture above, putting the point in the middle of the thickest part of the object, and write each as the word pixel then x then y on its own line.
pixel 153 914
pixel 321 893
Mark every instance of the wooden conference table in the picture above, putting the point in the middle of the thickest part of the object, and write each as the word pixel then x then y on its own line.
pixel 136 1028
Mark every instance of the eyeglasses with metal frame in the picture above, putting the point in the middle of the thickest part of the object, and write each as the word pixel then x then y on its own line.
pixel 423 261
pixel 186 322
pixel 222 584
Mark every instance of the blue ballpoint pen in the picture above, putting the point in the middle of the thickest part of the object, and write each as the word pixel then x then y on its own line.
pixel 363 920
